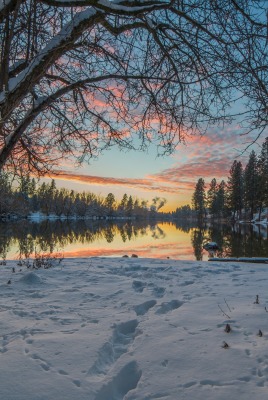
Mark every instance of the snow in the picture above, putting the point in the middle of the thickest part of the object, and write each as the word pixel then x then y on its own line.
pixel 134 329
pixel 119 5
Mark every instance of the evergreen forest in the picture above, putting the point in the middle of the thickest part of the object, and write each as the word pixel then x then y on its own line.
pixel 243 196
pixel 22 196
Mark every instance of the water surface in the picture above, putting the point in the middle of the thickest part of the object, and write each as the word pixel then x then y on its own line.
pixel 87 238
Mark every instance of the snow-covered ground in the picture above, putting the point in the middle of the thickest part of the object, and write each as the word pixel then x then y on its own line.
pixel 134 329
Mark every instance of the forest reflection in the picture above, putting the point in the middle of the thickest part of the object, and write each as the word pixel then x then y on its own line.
pixel 106 238
pixel 233 240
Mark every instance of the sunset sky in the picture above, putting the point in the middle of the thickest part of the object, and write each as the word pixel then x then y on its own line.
pixel 172 177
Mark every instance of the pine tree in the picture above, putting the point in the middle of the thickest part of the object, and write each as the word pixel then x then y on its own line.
pixel 34 204
pixel 199 199
pixel 44 197
pixel 220 199
pixel 109 203
pixel 136 207
pixel 6 193
pixel 251 183
pixel 235 188
pixel 212 197
pixel 130 205
pixel 123 204
pixel 25 186
pixel 262 167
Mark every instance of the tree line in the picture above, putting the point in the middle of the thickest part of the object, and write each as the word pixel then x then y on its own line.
pixel 25 195
pixel 244 194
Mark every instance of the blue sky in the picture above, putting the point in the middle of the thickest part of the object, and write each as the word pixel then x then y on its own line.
pixel 145 175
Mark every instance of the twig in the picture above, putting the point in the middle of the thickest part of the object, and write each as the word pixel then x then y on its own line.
pixel 224 313
pixel 227 305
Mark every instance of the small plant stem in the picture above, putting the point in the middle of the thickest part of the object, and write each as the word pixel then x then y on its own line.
pixel 224 313
pixel 227 305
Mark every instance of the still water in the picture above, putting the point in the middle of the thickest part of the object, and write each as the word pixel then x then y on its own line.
pixel 109 239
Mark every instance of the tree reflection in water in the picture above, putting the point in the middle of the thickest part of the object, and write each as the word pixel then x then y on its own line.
pixel 197 238
pixel 48 236
pixel 52 237
pixel 239 240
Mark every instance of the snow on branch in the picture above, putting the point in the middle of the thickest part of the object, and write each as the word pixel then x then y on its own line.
pixel 55 47
pixel 117 5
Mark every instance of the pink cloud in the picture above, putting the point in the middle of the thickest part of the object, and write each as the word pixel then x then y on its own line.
pixel 210 156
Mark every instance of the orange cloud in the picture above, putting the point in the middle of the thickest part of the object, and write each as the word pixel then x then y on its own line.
pixel 150 184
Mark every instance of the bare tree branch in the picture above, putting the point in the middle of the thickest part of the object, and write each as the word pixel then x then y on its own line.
pixel 78 76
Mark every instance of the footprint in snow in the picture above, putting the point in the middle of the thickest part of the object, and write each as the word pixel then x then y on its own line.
pixel 143 308
pixel 127 379
pixel 169 306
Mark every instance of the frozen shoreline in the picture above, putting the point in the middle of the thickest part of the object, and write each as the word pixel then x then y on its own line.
pixel 134 329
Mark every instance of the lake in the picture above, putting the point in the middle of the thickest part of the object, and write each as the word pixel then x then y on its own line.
pixel 88 238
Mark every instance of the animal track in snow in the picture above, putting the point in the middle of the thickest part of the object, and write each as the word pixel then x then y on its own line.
pixel 42 362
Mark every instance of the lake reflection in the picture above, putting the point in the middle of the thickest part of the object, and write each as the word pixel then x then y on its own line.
pixel 87 238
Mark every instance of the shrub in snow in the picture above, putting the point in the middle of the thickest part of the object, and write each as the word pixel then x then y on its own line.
pixel 42 261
